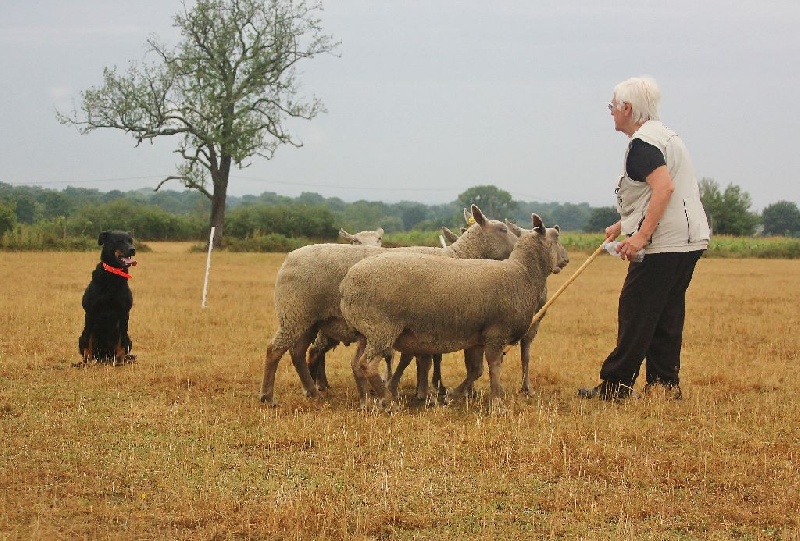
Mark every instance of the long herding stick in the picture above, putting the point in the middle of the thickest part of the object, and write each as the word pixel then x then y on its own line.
pixel 540 314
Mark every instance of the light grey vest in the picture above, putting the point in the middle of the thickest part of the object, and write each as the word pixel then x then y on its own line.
pixel 684 226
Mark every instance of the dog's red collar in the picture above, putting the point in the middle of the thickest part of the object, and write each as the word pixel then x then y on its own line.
pixel 118 272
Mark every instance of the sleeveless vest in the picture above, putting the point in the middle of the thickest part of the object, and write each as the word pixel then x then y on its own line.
pixel 684 225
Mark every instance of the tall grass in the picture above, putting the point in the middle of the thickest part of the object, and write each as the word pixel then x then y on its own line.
pixel 177 446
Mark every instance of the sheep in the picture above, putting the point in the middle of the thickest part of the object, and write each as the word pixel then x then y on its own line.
pixel 322 344
pixel 424 362
pixel 366 238
pixel 421 305
pixel 307 292
pixel 525 345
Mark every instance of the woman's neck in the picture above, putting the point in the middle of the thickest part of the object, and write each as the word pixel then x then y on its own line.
pixel 632 128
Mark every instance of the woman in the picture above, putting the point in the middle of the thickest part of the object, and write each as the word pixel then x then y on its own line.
pixel 658 200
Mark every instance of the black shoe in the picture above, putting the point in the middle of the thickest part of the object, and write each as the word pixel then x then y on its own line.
pixel 607 390
pixel 670 391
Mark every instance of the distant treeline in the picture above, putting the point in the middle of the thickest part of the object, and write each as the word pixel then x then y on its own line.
pixel 183 216
pixel 33 218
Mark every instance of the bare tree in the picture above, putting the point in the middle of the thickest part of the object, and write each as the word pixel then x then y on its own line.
pixel 224 91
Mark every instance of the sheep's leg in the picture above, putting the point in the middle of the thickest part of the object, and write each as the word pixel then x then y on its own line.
pixel 316 360
pixel 388 359
pixel 298 353
pixel 275 350
pixel 436 381
pixel 494 358
pixel 402 364
pixel 473 359
pixel 525 359
pixel 423 369
pixel 370 368
pixel 362 384
pixel 273 356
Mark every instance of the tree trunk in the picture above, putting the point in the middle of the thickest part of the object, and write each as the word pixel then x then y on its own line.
pixel 218 203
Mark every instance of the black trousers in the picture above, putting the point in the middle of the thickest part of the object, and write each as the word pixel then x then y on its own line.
pixel 652 309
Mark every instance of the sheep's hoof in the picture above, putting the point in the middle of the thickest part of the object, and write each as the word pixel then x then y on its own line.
pixel 377 405
pixel 525 391
pixel 267 401
pixel 390 406
pixel 433 401
pixel 430 400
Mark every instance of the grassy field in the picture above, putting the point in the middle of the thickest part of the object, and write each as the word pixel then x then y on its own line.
pixel 177 446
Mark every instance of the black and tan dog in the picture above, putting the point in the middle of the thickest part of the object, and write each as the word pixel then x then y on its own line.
pixel 107 302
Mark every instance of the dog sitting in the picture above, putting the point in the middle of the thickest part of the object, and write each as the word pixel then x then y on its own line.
pixel 107 302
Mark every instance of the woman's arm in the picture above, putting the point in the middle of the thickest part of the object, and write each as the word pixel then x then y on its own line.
pixel 661 184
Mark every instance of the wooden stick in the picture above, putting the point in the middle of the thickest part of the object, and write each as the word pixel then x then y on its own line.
pixel 540 314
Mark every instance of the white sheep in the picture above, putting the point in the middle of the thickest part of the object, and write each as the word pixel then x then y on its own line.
pixel 421 305
pixel 307 292
pixel 322 344
pixel 424 363
pixel 367 238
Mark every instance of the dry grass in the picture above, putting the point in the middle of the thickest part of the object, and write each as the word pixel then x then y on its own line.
pixel 176 446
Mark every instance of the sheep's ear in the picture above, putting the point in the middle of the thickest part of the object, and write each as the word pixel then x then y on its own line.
pixel 449 235
pixel 379 231
pixel 513 227
pixel 467 216
pixel 344 234
pixel 103 237
pixel 478 215
pixel 557 228
pixel 538 225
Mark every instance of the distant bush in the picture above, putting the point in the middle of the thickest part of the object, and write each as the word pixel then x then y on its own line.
pixel 310 221
pixel 264 242
pixel 8 216
pixel 146 222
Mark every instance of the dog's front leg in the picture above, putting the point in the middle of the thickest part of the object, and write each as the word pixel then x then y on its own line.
pixel 85 342
pixel 125 343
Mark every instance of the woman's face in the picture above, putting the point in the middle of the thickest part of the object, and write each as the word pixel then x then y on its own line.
pixel 621 113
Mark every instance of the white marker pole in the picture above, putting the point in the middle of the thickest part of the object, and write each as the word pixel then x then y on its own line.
pixel 208 266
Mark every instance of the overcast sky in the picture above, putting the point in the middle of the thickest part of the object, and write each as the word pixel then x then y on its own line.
pixel 431 97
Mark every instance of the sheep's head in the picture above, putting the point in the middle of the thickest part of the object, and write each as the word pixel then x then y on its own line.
pixel 366 238
pixel 558 254
pixel 485 238
pixel 517 230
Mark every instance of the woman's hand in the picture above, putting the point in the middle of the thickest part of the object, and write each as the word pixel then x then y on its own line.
pixel 631 246
pixel 613 231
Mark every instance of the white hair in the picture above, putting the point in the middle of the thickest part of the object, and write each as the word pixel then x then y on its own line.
pixel 643 95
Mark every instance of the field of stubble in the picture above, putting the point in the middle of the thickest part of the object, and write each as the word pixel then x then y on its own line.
pixel 177 446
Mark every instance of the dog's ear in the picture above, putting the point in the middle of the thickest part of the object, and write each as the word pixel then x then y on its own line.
pixel 103 237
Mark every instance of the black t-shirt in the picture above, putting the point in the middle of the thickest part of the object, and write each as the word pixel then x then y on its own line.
pixel 643 159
